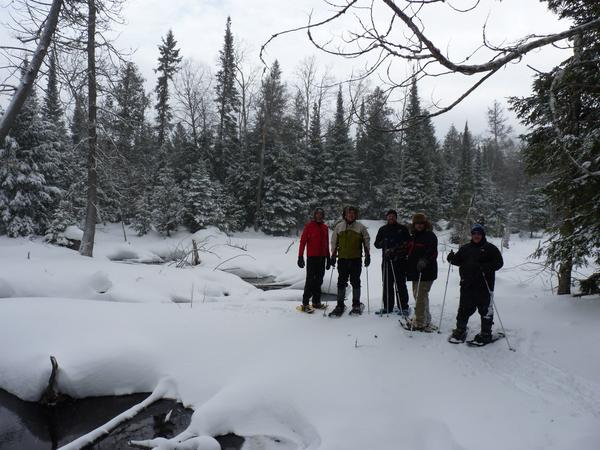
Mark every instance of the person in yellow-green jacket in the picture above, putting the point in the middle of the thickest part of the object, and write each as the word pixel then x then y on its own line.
pixel 348 240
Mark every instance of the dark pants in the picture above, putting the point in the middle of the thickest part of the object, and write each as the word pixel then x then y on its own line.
pixel 389 276
pixel 474 298
pixel 315 271
pixel 349 269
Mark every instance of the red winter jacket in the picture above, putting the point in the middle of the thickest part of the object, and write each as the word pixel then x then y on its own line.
pixel 315 237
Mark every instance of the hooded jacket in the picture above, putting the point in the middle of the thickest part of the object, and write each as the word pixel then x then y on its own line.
pixel 422 245
pixel 348 239
pixel 475 260
pixel 315 238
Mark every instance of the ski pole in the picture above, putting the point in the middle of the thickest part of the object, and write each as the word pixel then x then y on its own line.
pixel 494 307
pixel 396 290
pixel 412 322
pixel 384 291
pixel 444 300
pixel 368 296
pixel 328 290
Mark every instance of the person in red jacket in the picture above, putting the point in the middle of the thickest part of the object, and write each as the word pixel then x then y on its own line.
pixel 315 237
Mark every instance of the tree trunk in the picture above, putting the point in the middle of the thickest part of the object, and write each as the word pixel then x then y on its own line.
pixel 26 84
pixel 261 171
pixel 564 277
pixel 89 232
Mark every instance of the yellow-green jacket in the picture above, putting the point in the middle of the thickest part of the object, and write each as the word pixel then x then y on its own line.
pixel 348 240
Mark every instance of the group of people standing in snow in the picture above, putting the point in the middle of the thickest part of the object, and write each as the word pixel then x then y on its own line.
pixel 408 254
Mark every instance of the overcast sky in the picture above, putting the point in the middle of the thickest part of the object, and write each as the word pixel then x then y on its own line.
pixel 198 26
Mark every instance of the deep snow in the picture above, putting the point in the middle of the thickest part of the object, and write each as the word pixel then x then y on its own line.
pixel 250 364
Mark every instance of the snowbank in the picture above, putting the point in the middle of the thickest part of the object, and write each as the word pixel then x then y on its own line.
pixel 248 363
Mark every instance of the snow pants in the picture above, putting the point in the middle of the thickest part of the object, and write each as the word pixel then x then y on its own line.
pixel 393 271
pixel 315 271
pixel 421 294
pixel 349 269
pixel 474 298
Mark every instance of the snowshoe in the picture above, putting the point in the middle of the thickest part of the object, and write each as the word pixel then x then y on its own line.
pixel 483 339
pixel 408 325
pixel 319 305
pixel 382 312
pixel 305 309
pixel 357 310
pixel 458 336
pixel 338 311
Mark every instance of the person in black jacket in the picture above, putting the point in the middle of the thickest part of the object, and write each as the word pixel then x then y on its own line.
pixel 392 239
pixel 422 268
pixel 478 261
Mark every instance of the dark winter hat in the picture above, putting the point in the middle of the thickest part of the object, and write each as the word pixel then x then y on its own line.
pixel 392 211
pixel 321 210
pixel 419 218
pixel 477 228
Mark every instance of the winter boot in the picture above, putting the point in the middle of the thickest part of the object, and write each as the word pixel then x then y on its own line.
pixel 458 335
pixel 307 309
pixel 482 338
pixel 357 309
pixel 338 310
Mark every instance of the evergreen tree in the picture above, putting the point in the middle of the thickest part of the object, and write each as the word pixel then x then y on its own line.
pixel 168 64
pixel 26 159
pixel 277 200
pixel 462 204
pixel 338 163
pixel 417 189
pixel 227 145
pixel 166 203
pixel 564 144
pixel 317 166
pixel 201 200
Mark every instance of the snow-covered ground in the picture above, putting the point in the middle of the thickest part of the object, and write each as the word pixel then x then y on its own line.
pixel 248 363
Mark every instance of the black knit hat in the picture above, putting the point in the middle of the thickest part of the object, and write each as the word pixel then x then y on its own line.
pixel 392 211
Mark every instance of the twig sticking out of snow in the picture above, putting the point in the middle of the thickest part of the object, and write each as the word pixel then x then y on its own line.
pixel 165 388
pixel 233 257
pixel 289 246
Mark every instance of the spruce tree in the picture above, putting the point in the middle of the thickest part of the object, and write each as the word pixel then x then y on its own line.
pixel 201 200
pixel 226 145
pixel 338 163
pixel 168 64
pixel 166 203
pixel 318 175
pixel 462 204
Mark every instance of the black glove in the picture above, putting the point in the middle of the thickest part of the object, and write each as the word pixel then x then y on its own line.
pixel 421 264
pixel 367 260
pixel 328 263
pixel 450 256
pixel 332 261
pixel 301 262
pixel 389 254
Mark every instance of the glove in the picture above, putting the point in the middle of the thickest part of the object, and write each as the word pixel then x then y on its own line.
pixel 328 263
pixel 332 261
pixel 301 262
pixel 367 260
pixel 389 254
pixel 421 265
pixel 450 256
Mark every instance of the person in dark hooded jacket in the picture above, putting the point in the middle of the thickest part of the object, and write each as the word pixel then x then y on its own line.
pixel 478 262
pixel 315 238
pixel 422 268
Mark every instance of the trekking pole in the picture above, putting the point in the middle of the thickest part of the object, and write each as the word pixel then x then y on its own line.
pixel 368 296
pixel 384 290
pixel 412 322
pixel 396 289
pixel 328 291
pixel 444 300
pixel 494 307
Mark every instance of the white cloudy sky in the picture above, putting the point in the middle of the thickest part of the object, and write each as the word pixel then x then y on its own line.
pixel 198 26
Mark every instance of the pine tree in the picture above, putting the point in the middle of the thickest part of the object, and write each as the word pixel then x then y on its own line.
pixel 26 159
pixel 201 200
pixel 318 175
pixel 227 145
pixel 168 64
pixel 417 190
pixel 277 200
pixel 338 163
pixel 166 203
pixel 564 144
pixel 461 216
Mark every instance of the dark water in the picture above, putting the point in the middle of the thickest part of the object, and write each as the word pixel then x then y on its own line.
pixel 265 283
pixel 30 426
